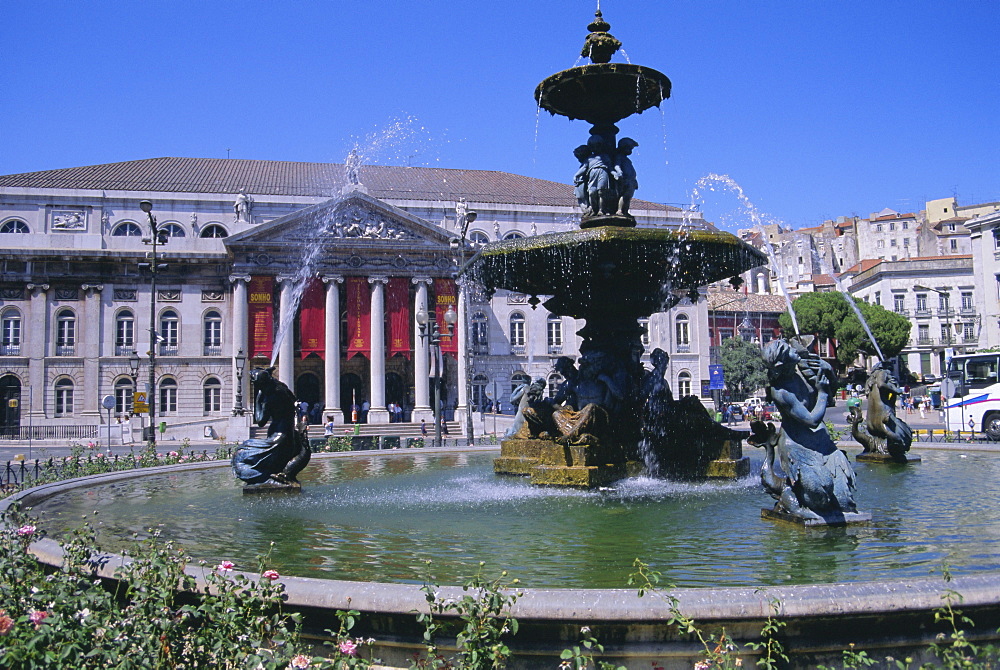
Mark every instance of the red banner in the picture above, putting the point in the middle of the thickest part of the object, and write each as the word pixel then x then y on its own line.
pixel 312 316
pixel 359 321
pixel 398 302
pixel 260 310
pixel 445 297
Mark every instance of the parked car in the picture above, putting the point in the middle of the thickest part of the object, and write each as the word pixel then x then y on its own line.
pixel 770 413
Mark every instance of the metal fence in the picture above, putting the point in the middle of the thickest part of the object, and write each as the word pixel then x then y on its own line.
pixel 49 432
pixel 967 436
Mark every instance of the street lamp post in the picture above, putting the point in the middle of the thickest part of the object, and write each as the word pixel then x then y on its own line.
pixel 133 364
pixel 153 240
pixel 429 329
pixel 465 218
pixel 241 363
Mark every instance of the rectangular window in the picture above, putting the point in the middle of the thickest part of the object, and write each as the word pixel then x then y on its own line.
pixel 66 335
pixel 954 245
pixel 168 399
pixel 125 333
pixel 923 333
pixel 892 242
pixel 906 241
pixel 213 399
pixel 921 302
pixel 213 333
pixel 967 303
pixel 906 225
pixel 11 332
pixel 880 244
pixel 945 334
pixel 892 226
pixel 555 335
pixel 897 303
pixel 878 297
pixel 878 227
pixel 64 401
pixel 944 302
pixel 969 332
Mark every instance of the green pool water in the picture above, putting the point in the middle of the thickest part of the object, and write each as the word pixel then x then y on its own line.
pixel 381 517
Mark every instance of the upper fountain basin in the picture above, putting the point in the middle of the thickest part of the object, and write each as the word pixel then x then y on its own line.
pixel 634 271
pixel 602 92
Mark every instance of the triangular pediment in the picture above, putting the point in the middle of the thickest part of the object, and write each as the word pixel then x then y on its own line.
pixel 356 220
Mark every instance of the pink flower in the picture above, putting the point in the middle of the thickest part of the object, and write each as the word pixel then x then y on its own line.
pixel 270 574
pixel 6 623
pixel 299 662
pixel 348 648
pixel 172 454
pixel 225 566
pixel 159 455
pixel 27 530
pixel 100 455
pixel 37 617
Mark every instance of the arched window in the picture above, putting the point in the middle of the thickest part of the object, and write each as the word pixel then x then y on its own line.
pixel 683 329
pixel 126 229
pixel 480 334
pixel 554 333
pixel 517 330
pixel 65 333
pixel 644 336
pixel 170 230
pixel 683 384
pixel 168 396
pixel 212 394
pixel 10 337
pixel 478 238
pixel 513 235
pixel 14 226
pixel 213 230
pixel 124 333
pixel 554 380
pixel 64 397
pixel 169 333
pixel 124 388
pixel 212 331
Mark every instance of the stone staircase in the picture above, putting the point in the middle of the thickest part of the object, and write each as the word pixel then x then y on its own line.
pixel 387 429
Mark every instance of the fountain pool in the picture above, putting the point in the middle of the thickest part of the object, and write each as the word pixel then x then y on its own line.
pixel 379 517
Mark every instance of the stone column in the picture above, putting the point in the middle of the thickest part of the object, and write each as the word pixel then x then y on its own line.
pixel 91 351
pixel 331 364
pixel 239 426
pixel 240 333
pixel 36 335
pixel 462 333
pixel 421 359
pixel 286 331
pixel 378 412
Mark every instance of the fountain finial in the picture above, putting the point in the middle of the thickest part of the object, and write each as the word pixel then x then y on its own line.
pixel 600 45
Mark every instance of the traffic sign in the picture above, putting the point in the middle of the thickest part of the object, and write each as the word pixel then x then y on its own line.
pixel 140 402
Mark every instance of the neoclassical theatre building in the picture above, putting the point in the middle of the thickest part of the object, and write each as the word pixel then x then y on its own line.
pixel 319 270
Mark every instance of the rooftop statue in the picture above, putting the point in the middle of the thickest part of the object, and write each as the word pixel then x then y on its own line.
pixel 812 480
pixel 275 461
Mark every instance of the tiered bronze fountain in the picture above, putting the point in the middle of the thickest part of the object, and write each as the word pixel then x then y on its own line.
pixel 609 273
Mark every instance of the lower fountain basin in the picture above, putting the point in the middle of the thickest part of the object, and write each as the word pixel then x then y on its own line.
pixel 376 517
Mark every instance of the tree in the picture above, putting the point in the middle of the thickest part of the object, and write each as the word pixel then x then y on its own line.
pixel 828 315
pixel 743 366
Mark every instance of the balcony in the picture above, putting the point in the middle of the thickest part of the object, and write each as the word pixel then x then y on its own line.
pixel 517 349
pixel 684 348
pixel 167 350
pixel 10 349
pixel 555 350
pixel 212 350
pixel 924 341
pixel 922 312
pixel 967 311
pixel 902 312
pixel 65 350
pixel 946 313
pixel 124 349
pixel 970 339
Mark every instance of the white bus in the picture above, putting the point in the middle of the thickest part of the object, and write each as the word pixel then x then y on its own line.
pixel 975 393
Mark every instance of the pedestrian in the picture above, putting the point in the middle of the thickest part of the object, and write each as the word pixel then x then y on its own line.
pixel 328 427
pixel 365 406
pixel 399 413
pixel 423 428
pixel 392 412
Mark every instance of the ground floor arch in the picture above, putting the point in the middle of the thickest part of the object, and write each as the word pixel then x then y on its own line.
pixel 10 406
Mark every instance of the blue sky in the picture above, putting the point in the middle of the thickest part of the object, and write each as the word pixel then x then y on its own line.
pixel 818 109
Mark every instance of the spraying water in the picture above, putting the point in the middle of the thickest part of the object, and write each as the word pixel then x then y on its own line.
pixel 398 141
pixel 824 265
pixel 710 181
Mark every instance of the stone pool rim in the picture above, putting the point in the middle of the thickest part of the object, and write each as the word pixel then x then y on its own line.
pixel 895 602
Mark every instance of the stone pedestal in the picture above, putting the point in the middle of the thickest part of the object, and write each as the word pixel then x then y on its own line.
pixel 731 463
pixel 844 519
pixel 551 464
pixel 875 457
pixel 272 487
